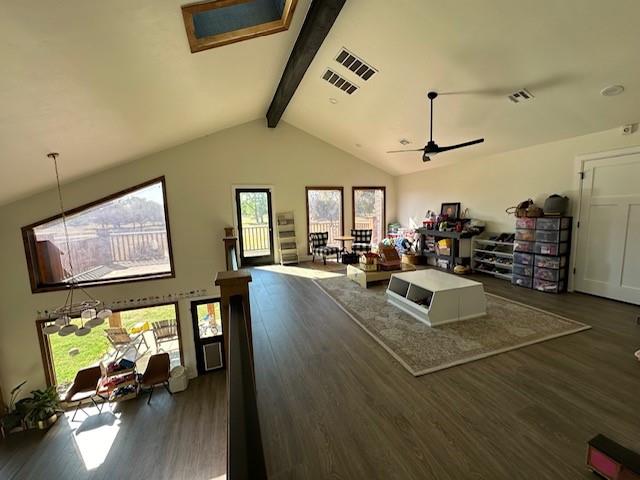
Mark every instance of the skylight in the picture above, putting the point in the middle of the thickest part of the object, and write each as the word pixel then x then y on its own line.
pixel 220 22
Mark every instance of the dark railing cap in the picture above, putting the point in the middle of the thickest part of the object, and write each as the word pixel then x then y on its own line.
pixel 228 278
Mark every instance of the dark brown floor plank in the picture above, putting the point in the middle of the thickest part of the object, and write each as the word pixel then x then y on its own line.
pixel 175 437
pixel 335 405
pixel 341 407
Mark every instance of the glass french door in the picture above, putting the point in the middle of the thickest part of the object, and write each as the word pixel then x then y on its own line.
pixel 207 335
pixel 255 227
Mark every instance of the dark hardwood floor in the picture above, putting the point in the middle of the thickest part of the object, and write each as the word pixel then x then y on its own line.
pixel 175 437
pixel 333 404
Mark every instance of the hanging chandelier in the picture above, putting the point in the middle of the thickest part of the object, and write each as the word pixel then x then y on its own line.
pixel 78 302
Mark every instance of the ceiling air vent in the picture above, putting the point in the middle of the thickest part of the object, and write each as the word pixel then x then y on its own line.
pixel 355 64
pixel 521 96
pixel 340 82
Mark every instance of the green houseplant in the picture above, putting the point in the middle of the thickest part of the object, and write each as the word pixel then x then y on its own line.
pixel 16 411
pixel 43 407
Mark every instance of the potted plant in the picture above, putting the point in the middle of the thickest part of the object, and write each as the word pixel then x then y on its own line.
pixel 16 411
pixel 43 407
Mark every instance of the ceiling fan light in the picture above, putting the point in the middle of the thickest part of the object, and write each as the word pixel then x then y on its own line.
pixel 87 308
pixel 51 329
pixel 82 331
pixel 94 322
pixel 68 330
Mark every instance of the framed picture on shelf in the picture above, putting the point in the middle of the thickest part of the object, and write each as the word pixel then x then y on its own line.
pixel 451 210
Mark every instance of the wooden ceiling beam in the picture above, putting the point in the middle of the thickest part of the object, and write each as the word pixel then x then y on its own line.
pixel 320 18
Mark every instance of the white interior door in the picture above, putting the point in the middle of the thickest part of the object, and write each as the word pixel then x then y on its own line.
pixel 608 250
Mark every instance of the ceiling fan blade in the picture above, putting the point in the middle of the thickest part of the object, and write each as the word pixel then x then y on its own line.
pixel 460 145
pixel 402 151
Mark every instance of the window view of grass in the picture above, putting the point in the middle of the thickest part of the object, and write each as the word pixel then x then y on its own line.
pixel 93 347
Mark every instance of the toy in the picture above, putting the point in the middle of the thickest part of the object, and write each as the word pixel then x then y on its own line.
pixel 611 460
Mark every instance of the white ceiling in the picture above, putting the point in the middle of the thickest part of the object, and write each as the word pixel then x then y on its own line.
pixel 565 52
pixel 107 82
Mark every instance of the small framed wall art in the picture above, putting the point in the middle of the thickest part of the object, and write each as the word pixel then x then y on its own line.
pixel 451 210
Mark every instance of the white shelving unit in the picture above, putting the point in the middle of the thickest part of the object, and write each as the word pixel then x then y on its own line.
pixel 492 257
pixel 287 238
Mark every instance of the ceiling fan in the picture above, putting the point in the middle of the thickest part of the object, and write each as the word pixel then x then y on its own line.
pixel 432 148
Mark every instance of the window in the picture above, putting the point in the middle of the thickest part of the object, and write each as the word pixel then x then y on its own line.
pixel 151 330
pixel 216 23
pixel 123 237
pixel 369 211
pixel 325 211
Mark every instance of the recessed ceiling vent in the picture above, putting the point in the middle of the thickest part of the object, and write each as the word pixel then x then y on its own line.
pixel 355 64
pixel 340 82
pixel 521 96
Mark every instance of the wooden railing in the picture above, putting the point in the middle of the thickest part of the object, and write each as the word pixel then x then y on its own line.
pixel 91 248
pixel 364 223
pixel 332 227
pixel 231 252
pixel 133 246
pixel 245 456
pixel 255 238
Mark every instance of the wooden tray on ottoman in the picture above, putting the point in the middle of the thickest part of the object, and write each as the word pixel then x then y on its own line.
pixel 365 278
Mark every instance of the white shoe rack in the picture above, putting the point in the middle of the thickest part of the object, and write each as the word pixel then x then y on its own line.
pixel 501 263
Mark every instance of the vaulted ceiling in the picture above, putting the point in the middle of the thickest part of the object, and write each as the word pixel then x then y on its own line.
pixel 565 52
pixel 107 82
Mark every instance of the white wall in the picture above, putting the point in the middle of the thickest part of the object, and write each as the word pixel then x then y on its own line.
pixel 488 185
pixel 199 176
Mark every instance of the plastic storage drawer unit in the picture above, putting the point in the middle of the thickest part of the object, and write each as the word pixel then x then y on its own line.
pixel 551 236
pixel 522 246
pixel 528 235
pixel 523 258
pixel 521 281
pixel 529 223
pixel 549 274
pixel 550 248
pixel 561 223
pixel 550 262
pixel 524 270
pixel 545 286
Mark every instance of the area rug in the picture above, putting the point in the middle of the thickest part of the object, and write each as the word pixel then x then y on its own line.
pixel 421 349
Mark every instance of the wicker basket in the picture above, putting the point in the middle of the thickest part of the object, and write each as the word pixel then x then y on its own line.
pixel 411 259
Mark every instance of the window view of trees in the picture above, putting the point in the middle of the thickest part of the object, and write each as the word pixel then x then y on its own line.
pixel 121 237
pixel 254 209
pixel 368 204
pixel 325 211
